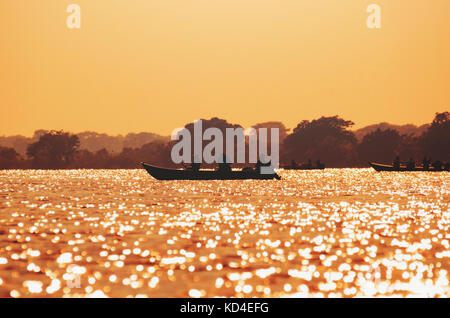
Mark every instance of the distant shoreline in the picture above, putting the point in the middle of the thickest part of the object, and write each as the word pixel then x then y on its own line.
pixel 328 139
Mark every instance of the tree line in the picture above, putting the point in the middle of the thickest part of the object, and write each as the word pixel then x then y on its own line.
pixel 327 138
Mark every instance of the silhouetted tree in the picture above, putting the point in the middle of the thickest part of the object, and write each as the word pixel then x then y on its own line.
pixel 435 142
pixel 326 138
pixel 283 131
pixel 409 147
pixel 85 159
pixel 9 159
pixel 53 150
pixel 94 141
pixel 157 152
pixel 380 146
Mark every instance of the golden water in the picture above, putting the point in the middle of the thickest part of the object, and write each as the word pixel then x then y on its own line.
pixel 119 233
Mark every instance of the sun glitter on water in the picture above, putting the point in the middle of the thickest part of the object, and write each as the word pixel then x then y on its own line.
pixel 120 233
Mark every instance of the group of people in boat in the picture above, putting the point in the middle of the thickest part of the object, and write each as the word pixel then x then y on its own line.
pixel 225 167
pixel 427 164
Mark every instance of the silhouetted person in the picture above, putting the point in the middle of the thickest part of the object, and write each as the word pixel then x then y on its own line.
pixel 437 165
pixel 293 163
pixel 426 163
pixel 319 164
pixel 309 164
pixel 397 162
pixel 411 164
pixel 224 166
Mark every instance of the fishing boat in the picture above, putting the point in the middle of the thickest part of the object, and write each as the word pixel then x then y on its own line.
pixel 382 167
pixel 180 174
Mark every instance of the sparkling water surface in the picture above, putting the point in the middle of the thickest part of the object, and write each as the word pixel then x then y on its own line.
pixel 121 233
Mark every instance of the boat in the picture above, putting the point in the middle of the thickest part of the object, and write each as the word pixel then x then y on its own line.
pixel 383 167
pixel 160 173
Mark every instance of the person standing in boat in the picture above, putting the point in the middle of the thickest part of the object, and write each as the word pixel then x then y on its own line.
pixel 195 166
pixel 425 163
pixel 319 164
pixel 437 165
pixel 411 164
pixel 293 163
pixel 397 162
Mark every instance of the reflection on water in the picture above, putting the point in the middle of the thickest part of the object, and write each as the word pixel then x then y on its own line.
pixel 118 233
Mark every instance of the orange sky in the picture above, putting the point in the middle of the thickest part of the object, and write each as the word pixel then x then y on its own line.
pixel 154 65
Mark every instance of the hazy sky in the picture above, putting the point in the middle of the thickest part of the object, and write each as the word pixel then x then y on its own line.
pixel 154 65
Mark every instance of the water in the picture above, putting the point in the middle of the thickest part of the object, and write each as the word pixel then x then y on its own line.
pixel 119 233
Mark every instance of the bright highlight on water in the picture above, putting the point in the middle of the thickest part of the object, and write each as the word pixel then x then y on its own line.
pixel 120 233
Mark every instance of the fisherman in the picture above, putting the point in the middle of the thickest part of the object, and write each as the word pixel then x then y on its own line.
pixel 437 165
pixel 319 164
pixel 411 164
pixel 397 162
pixel 426 163
pixel 258 166
pixel 195 166
pixel 293 164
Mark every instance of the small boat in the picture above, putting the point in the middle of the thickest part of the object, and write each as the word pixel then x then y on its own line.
pixel 382 167
pixel 180 174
